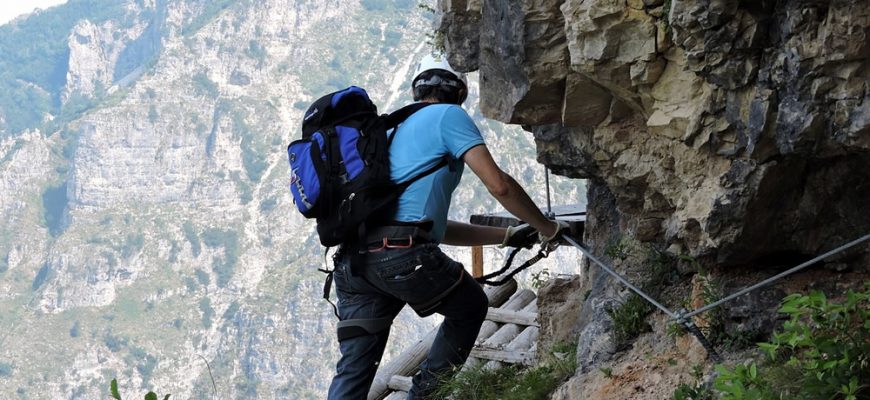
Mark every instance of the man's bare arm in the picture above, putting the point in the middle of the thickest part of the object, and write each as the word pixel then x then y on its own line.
pixel 506 190
pixel 462 234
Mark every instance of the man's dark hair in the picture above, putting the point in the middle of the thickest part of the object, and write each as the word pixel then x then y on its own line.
pixel 443 93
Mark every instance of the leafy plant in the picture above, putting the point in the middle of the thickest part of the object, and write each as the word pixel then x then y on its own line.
pixel 629 319
pixel 117 395
pixel 698 391
pixel 617 249
pixel 540 278
pixel 822 352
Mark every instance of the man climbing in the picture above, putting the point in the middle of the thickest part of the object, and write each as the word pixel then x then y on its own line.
pixel 403 263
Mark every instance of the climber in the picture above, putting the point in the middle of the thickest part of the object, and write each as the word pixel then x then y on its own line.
pixel 404 264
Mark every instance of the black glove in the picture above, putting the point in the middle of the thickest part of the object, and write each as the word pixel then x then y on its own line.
pixel 520 236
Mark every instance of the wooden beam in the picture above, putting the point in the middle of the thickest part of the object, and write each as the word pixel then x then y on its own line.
pixel 574 215
pixel 401 383
pixel 525 341
pixel 397 395
pixel 512 317
pixel 477 261
pixel 512 356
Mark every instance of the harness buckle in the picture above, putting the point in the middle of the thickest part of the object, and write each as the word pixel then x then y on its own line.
pixel 385 244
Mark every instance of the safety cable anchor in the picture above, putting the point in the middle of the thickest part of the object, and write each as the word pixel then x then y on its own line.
pixel 689 325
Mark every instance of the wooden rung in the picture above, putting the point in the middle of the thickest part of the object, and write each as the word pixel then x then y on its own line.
pixel 397 395
pixel 402 383
pixel 411 358
pixel 512 356
pixel 519 301
pixel 512 317
pixel 525 341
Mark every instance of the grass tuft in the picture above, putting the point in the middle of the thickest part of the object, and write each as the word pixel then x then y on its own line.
pixel 512 382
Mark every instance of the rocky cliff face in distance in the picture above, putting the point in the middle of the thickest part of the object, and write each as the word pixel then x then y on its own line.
pixel 146 229
pixel 727 136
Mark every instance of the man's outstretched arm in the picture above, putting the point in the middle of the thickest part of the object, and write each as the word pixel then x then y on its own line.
pixel 507 192
pixel 462 234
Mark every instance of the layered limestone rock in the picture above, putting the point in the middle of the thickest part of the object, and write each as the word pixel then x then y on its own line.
pixel 695 118
pixel 731 133
pixel 94 51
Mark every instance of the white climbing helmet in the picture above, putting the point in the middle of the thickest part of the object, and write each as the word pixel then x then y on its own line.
pixel 430 62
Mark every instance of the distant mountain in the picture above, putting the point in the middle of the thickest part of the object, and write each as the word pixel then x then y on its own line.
pixel 145 221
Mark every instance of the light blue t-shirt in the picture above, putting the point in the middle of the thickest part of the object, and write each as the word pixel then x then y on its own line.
pixel 421 142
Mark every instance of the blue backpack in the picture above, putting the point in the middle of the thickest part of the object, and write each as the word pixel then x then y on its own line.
pixel 340 168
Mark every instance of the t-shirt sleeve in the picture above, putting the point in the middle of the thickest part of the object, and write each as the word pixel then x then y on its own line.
pixel 459 131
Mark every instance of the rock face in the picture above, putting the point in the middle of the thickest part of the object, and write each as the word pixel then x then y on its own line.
pixel 734 133
pixel 696 119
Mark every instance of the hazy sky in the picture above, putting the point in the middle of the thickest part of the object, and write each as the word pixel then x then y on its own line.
pixel 12 8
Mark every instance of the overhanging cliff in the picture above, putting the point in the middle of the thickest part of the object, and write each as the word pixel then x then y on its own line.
pixel 733 129
pixel 733 134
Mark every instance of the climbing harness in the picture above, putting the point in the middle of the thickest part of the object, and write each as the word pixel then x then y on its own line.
pixel 683 317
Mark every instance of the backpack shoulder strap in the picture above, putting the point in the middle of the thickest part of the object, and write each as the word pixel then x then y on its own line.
pixel 441 164
pixel 397 117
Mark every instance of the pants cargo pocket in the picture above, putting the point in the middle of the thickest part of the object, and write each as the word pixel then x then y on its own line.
pixel 424 280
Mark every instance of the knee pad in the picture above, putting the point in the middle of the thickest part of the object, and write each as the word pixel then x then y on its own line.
pixel 352 328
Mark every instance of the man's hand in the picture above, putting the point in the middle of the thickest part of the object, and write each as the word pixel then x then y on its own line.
pixel 555 239
pixel 520 236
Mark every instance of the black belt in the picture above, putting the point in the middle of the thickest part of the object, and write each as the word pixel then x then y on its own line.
pixel 396 237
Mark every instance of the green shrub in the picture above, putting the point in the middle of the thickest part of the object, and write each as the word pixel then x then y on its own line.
pixel 268 204
pixel 229 240
pixel 76 330
pixel 192 237
pixel 132 244
pixel 256 52
pixel 54 203
pixel 4 263
pixel 207 312
pixel 42 276
pixel 36 56
pixel 254 150
pixel 204 86
pixel 822 352
pixel 698 391
pixel 5 369
pixel 114 343
pixel 375 5
pixel 113 388
pixel 202 277
pixel 231 311
pixel 209 13
pixel 512 382
pixel 629 319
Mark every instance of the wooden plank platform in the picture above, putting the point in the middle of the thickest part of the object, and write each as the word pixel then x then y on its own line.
pixel 508 356
pixel 575 215
pixel 512 317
